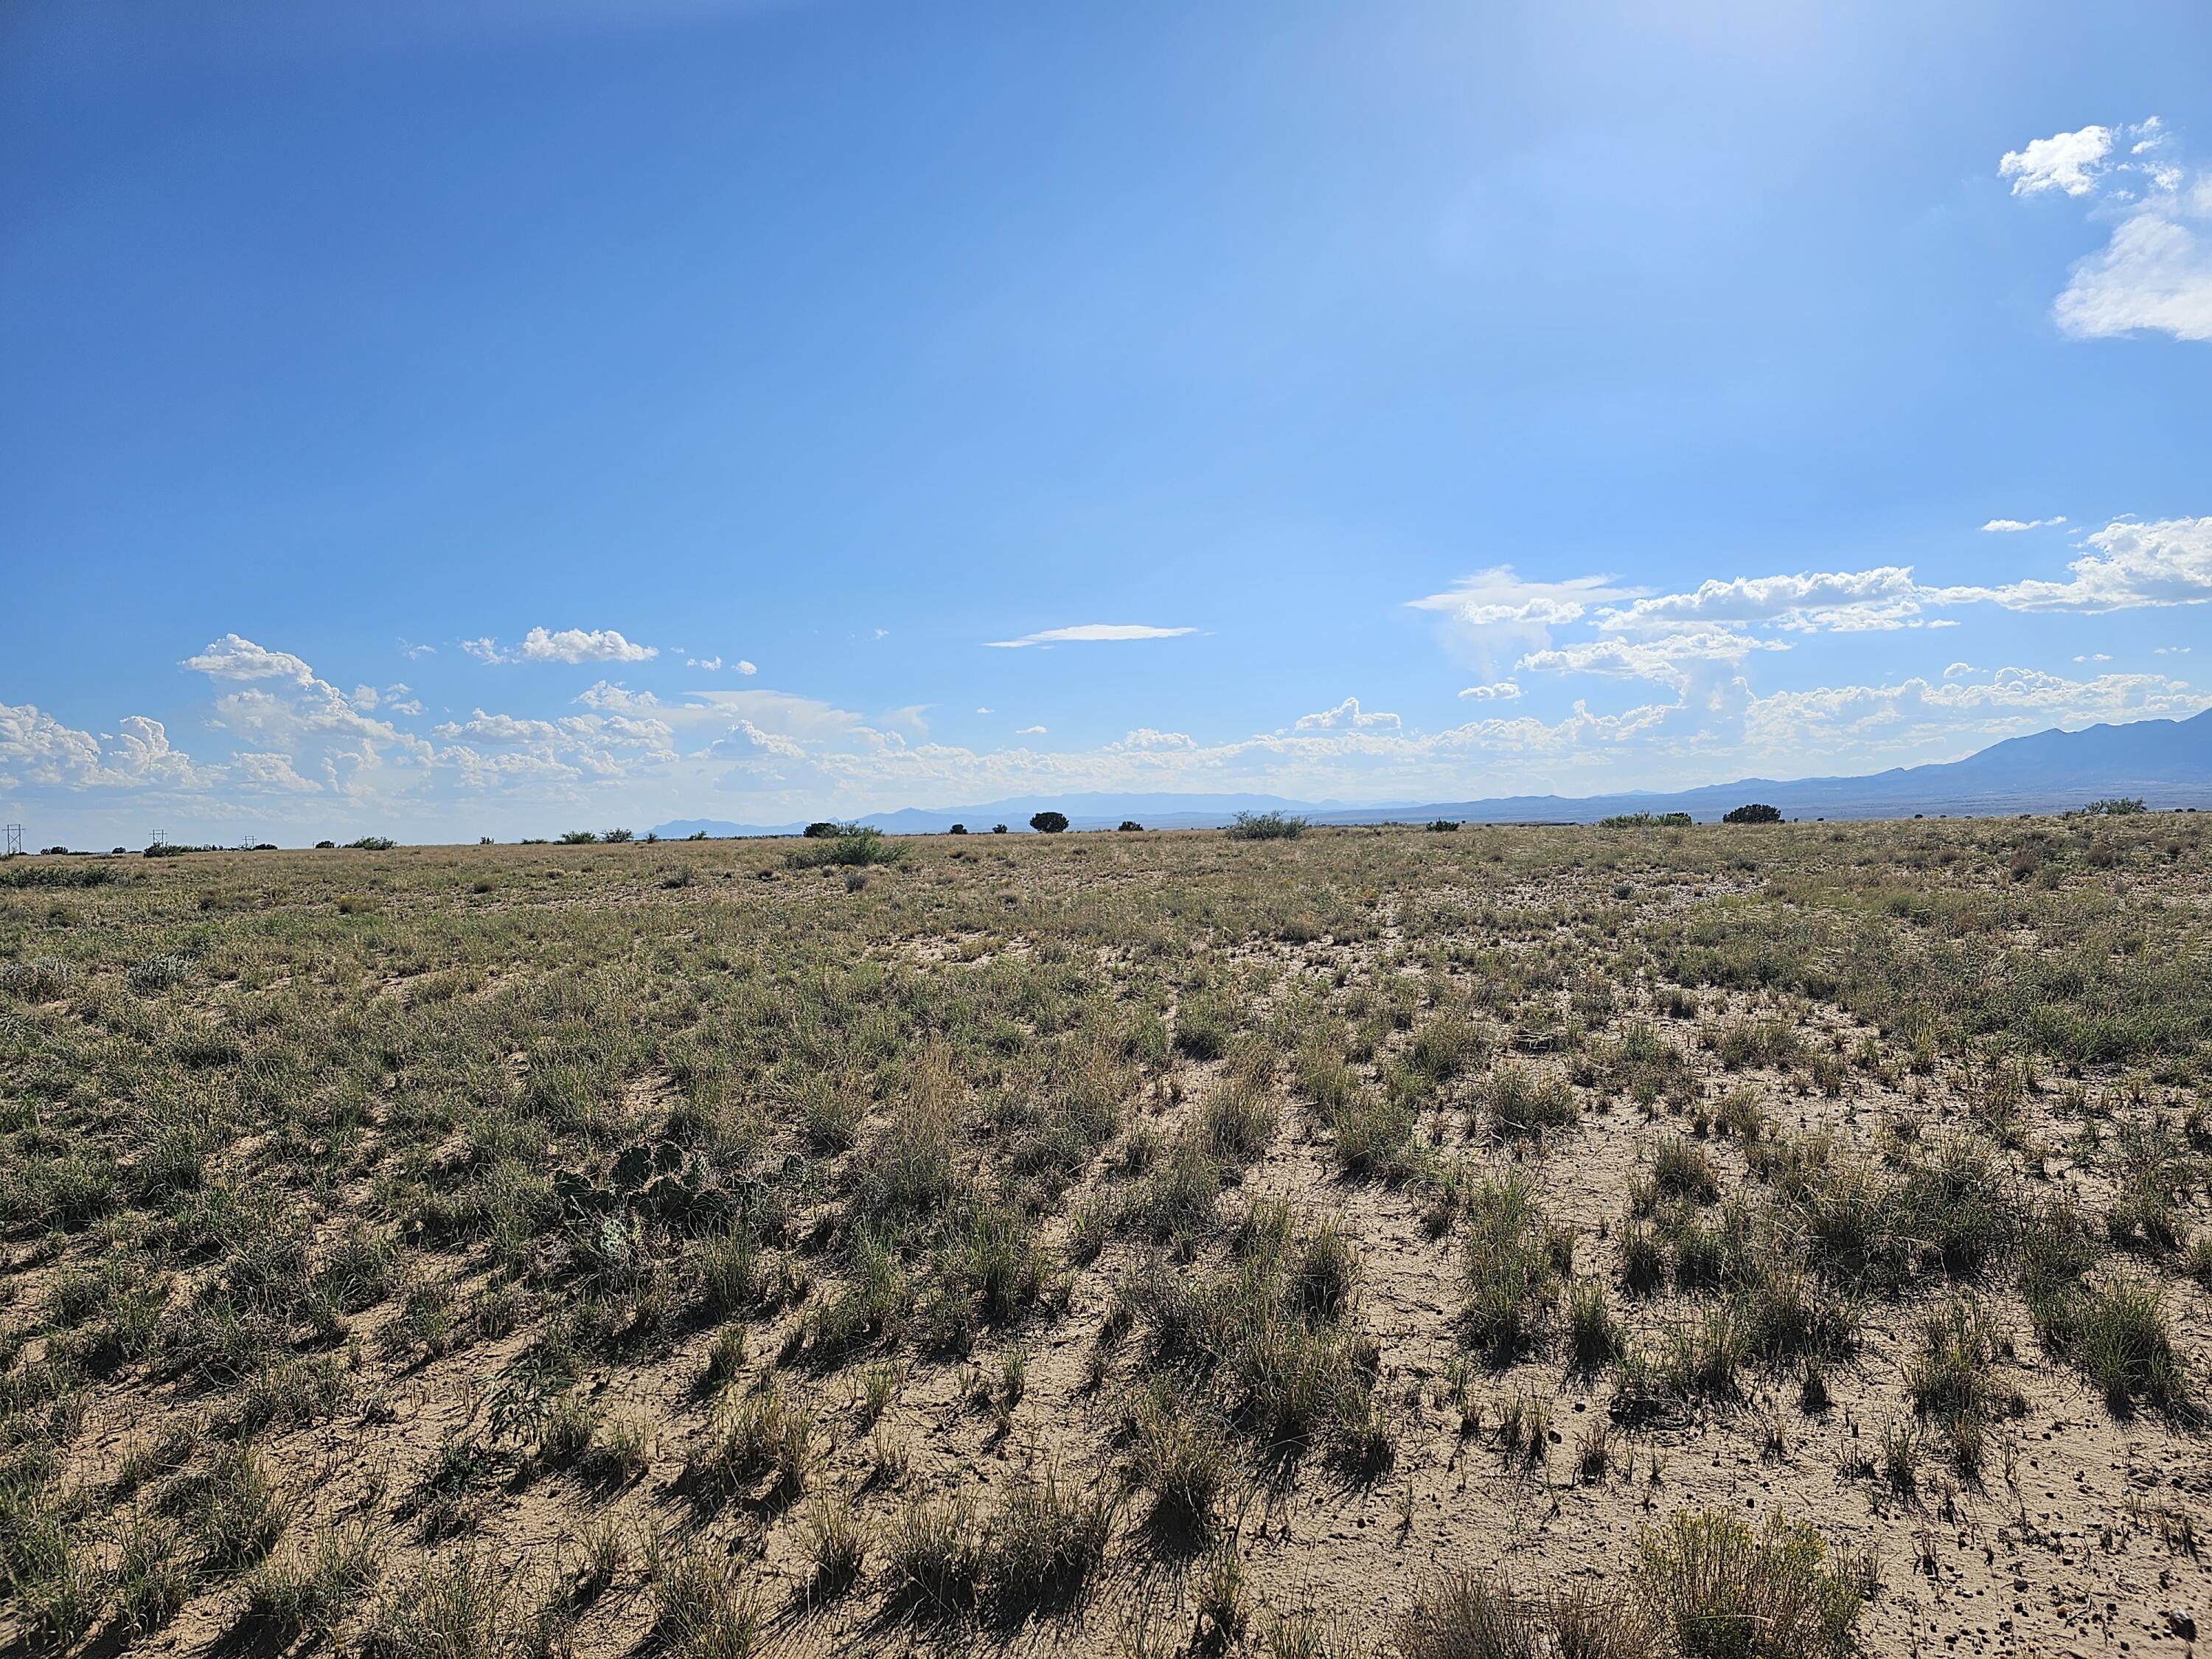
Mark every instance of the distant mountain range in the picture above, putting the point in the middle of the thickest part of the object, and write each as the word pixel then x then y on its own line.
pixel 2166 763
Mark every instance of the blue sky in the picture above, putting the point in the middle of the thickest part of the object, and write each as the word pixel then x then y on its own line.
pixel 449 419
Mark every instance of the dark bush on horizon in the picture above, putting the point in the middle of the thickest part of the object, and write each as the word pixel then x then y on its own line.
pixel 372 844
pixel 958 830
pixel 823 830
pixel 617 836
pixel 579 838
pixel 1755 813
pixel 997 828
pixel 1129 823
pixel 1443 826
pixel 2121 806
pixel 1265 826
pixel 1048 823
pixel 1666 820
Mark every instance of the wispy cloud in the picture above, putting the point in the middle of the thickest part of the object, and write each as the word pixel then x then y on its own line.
pixel 2014 526
pixel 1090 634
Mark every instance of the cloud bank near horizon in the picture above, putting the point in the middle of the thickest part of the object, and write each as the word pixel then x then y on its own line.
pixel 289 747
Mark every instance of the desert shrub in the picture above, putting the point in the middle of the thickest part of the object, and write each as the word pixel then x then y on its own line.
pixel 1374 1135
pixel 762 1434
pixel 26 874
pixel 936 1550
pixel 1048 823
pixel 1179 1453
pixel 1051 1537
pixel 1468 1615
pixel 1680 1168
pixel 1722 1591
pixel 1757 1041
pixel 1593 1335
pixel 372 844
pixel 1515 1263
pixel 856 847
pixel 700 1612
pixel 151 1580
pixel 1959 1207
pixel 1520 1103
pixel 1265 826
pixel 41 979
pixel 158 973
pixel 2117 1331
pixel 1239 1121
pixel 1178 1199
pixel 312 1587
pixel 1949 1375
pixel 1205 1023
pixel 234 1510
pixel 1756 812
pixel 1446 1047
pixel 2120 807
pixel 1130 824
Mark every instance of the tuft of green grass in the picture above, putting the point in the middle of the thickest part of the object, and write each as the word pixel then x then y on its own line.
pixel 1515 1263
pixel 1720 1590
pixel 936 1550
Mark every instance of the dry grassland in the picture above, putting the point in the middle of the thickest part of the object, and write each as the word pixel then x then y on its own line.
pixel 1764 1241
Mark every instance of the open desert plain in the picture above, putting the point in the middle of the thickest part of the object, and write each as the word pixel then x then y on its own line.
pixel 1777 1240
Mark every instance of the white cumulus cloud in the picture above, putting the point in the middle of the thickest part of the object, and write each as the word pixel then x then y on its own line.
pixel 2154 275
pixel 2068 161
pixel 568 645
pixel 1347 716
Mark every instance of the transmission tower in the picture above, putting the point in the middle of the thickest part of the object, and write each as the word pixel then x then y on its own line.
pixel 15 841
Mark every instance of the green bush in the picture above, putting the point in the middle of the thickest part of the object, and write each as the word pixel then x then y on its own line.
pixel 1756 812
pixel 1722 1592
pixel 855 847
pixel 1265 826
pixel 1048 823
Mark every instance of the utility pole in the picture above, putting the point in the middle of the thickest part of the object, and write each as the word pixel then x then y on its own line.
pixel 15 841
